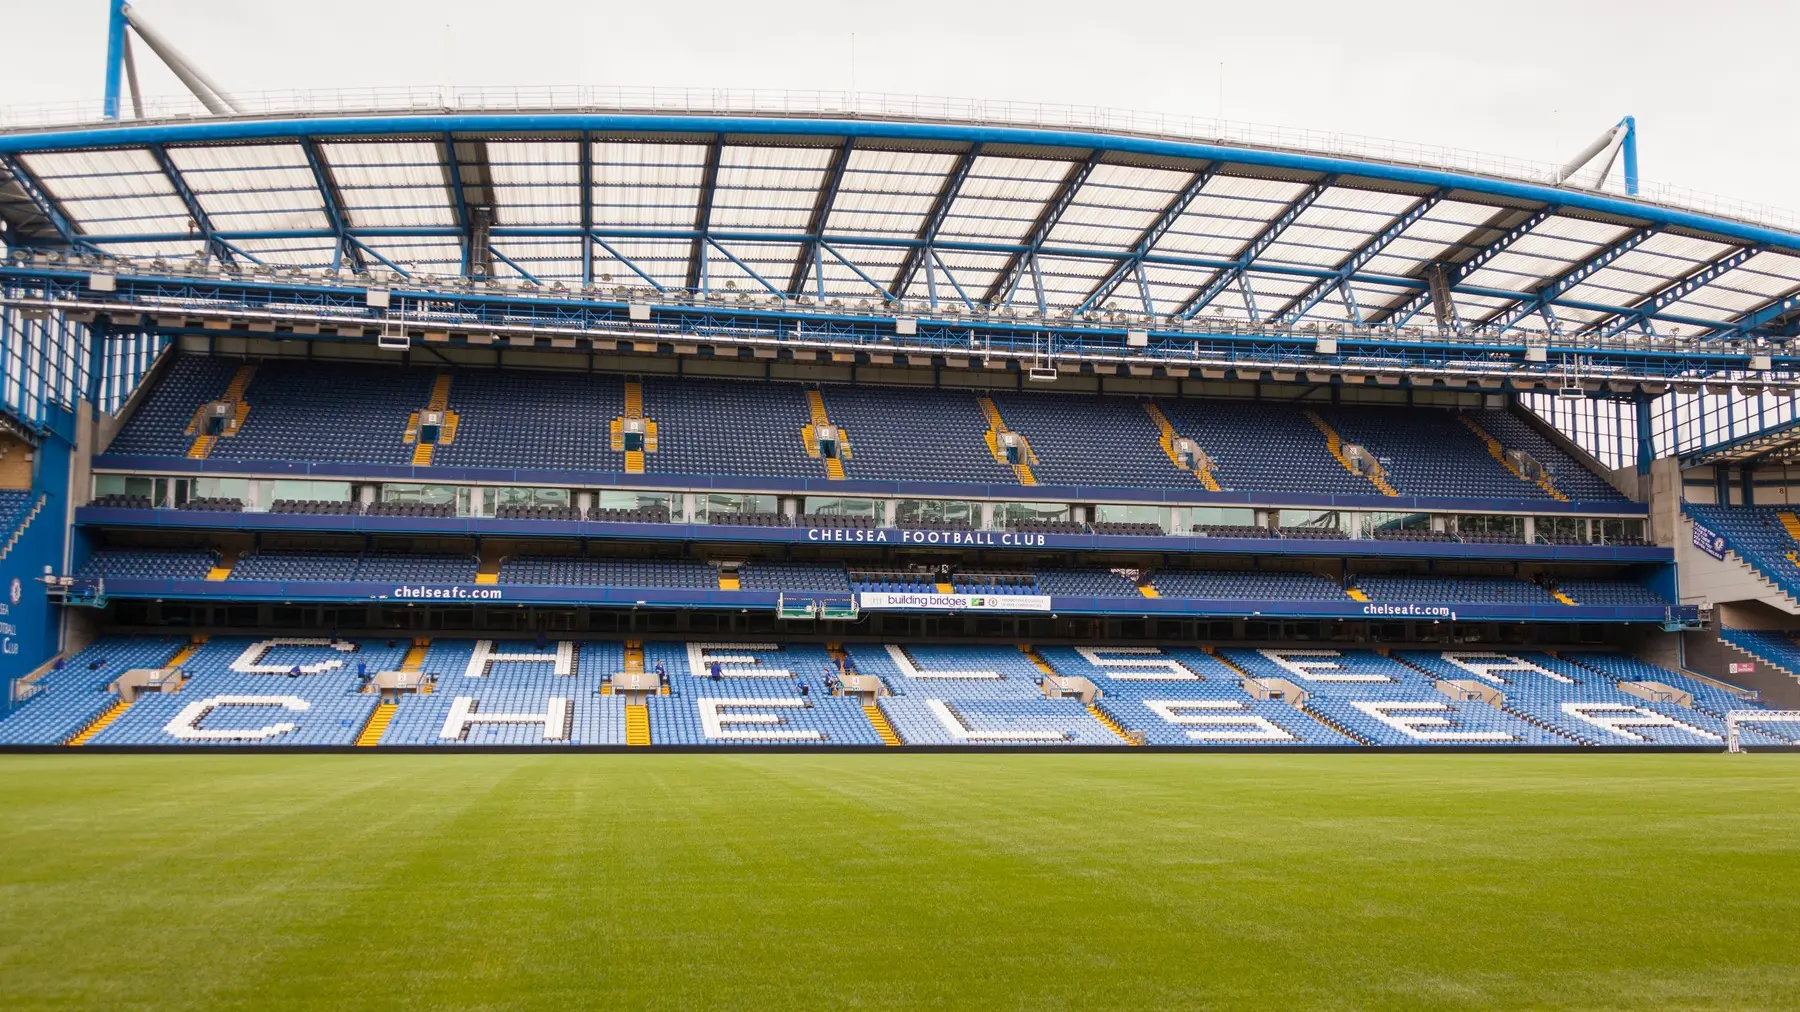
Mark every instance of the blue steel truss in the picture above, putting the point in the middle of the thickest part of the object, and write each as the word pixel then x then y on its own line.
pixel 1392 299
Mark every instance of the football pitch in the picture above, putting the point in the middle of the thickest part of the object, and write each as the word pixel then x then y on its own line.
pixel 886 881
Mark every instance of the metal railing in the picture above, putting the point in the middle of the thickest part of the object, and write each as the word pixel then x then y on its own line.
pixel 878 106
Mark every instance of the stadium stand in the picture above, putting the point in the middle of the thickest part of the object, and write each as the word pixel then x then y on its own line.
pixel 149 564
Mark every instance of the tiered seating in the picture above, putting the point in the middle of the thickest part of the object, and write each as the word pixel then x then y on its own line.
pixel 587 571
pixel 14 505
pixel 794 576
pixel 1772 645
pixel 837 521
pixel 533 419
pixel 1313 533
pixel 68 698
pixel 266 706
pixel 643 515
pixel 1085 583
pixel 1232 531
pixel 1402 534
pixel 909 524
pixel 514 688
pixel 214 504
pixel 1046 527
pixel 750 519
pixel 1246 586
pixel 417 568
pixel 721 427
pixel 1491 538
pixel 1755 533
pixel 893 582
pixel 915 435
pixel 1386 702
pixel 1576 701
pixel 411 509
pixel 1103 441
pixel 1573 480
pixel 1459 589
pixel 1614 593
pixel 758 681
pixel 1128 529
pixel 1707 696
pixel 122 502
pixel 159 425
pixel 966 695
pixel 1265 447
pixel 1183 696
pixel 317 506
pixel 537 513
pixel 1426 451
pixel 994 583
pixel 320 411
pixel 295 565
pixel 149 564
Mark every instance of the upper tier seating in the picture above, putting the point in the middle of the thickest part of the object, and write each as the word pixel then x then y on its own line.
pixel 794 576
pixel 312 566
pixel 1772 645
pixel 315 506
pixel 837 521
pixel 1755 533
pixel 587 571
pixel 537 513
pixel 1610 593
pixel 1093 441
pixel 1047 527
pixel 1085 583
pixel 750 519
pixel 123 502
pixel 214 504
pixel 1460 589
pixel 1129 530
pixel 642 515
pixel 351 413
pixel 1569 477
pixel 411 509
pixel 1246 586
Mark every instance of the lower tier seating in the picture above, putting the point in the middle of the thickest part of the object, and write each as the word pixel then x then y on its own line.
pixel 313 691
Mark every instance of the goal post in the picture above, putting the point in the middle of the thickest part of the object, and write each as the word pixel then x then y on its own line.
pixel 1736 718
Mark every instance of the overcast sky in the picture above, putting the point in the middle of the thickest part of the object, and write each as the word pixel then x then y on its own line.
pixel 1536 80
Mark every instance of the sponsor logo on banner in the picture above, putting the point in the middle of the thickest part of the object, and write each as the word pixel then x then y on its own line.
pixel 447 593
pixel 875 601
pixel 1743 668
pixel 886 536
pixel 1710 543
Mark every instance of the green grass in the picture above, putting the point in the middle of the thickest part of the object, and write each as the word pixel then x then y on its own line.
pixel 877 881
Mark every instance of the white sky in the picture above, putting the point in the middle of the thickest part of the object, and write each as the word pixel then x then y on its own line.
pixel 1531 79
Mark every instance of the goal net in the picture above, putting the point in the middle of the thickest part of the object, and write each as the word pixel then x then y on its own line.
pixel 1735 719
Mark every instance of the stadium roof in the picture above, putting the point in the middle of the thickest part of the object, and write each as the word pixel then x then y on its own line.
pixel 1053 214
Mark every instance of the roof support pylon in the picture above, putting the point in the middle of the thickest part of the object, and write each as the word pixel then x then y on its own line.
pixel 122 16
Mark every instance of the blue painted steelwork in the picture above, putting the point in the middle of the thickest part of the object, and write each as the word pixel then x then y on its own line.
pixel 115 57
pixel 215 247
pixel 1652 306
pixel 1147 242
pixel 698 274
pixel 579 315
pixel 809 250
pixel 1631 155
pixel 508 261
pixel 1544 297
pixel 333 206
pixel 1773 311
pixel 52 210
pixel 1305 301
pixel 921 253
pixel 1251 251
pixel 387 125
pixel 627 261
pixel 1007 281
pixel 1399 316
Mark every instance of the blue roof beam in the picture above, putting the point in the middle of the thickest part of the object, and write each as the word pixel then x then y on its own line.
pixel 1303 303
pixel 809 250
pixel 921 251
pixel 1006 283
pixel 334 207
pixel 1652 307
pixel 1767 314
pixel 1454 274
pixel 1253 249
pixel 1146 242
pixel 24 227
pixel 630 264
pixel 1540 301
pixel 196 214
pixel 747 269
pixel 697 272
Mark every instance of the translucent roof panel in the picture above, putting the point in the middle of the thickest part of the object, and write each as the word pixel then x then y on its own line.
pixel 1229 213
pixel 767 189
pixel 1550 250
pixel 974 272
pixel 535 182
pixel 1115 205
pixel 1657 263
pixel 112 192
pixel 1336 225
pixel 880 263
pixel 1439 235
pixel 888 193
pixel 627 261
pixel 288 252
pixel 391 184
pixel 647 184
pixel 419 256
pixel 773 262
pixel 543 259
pixel 1002 198
pixel 253 187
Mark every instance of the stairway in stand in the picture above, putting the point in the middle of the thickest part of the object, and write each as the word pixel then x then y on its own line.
pixel 234 392
pixel 634 411
pixel 834 466
pixel 996 426
pixel 1498 452
pixel 1335 444
pixel 87 733
pixel 879 721
pixel 637 725
pixel 440 401
pixel 377 725
pixel 1166 437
